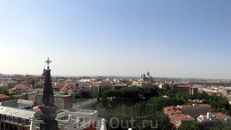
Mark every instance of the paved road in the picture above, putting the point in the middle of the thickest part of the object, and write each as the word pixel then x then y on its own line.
pixel 85 104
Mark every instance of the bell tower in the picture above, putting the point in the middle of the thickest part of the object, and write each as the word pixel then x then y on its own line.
pixel 49 109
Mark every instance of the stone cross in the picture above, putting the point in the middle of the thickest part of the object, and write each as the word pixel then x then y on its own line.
pixel 48 62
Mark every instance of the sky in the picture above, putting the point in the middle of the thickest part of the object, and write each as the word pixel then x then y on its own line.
pixel 116 37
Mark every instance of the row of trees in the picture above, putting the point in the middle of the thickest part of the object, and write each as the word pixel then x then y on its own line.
pixel 218 104
pixel 132 92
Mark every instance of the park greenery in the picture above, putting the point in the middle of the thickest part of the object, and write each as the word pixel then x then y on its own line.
pixel 4 91
pixel 81 97
pixel 134 103
pixel 78 100
pixel 132 92
pixel 200 126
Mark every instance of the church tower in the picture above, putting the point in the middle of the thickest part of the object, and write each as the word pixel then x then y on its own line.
pixel 49 109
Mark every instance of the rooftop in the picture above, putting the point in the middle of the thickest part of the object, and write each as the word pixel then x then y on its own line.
pixel 16 112
pixel 184 117
pixel 25 101
pixel 4 96
pixel 193 105
pixel 221 116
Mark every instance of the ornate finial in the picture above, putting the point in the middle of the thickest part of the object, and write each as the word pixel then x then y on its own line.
pixel 69 116
pixel 103 125
pixel 48 61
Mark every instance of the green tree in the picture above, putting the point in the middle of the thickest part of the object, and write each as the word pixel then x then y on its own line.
pixel 200 96
pixel 227 128
pixel 4 91
pixel 152 91
pixel 85 94
pixel 184 127
pixel 185 96
pixel 107 93
pixel 98 99
pixel 167 86
pixel 170 93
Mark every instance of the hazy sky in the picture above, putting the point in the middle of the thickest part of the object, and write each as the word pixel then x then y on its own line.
pixel 117 37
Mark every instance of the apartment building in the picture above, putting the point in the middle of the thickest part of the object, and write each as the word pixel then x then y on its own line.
pixel 182 114
pixel 177 117
pixel 184 88
pixel 62 100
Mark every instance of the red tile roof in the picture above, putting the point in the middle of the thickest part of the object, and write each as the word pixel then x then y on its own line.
pixel 184 117
pixel 220 115
pixel 4 96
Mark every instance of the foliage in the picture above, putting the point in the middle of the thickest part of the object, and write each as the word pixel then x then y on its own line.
pixel 218 103
pixel 152 92
pixel 170 93
pixel 194 126
pixel 125 81
pixel 132 92
pixel 152 109
pixel 11 95
pixel 4 91
pixel 79 100
pixel 139 112
pixel 98 99
pixel 85 94
pixel 167 86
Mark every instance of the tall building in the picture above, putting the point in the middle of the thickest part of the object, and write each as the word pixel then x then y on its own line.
pixel 184 88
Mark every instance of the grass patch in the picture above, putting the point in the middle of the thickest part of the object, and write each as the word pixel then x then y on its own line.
pixel 78 100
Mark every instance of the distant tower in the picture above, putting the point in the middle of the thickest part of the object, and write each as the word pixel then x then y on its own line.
pixel 148 73
pixel 49 109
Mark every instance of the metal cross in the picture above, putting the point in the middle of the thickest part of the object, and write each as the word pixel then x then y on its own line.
pixel 48 62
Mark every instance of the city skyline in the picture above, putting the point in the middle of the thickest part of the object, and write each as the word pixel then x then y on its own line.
pixel 123 38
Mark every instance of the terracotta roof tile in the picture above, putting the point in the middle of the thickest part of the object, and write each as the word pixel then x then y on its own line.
pixel 4 96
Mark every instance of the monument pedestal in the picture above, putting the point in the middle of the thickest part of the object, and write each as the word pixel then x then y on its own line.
pixel 53 125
